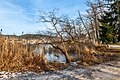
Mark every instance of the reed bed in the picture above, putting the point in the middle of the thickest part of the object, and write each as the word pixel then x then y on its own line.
pixel 16 57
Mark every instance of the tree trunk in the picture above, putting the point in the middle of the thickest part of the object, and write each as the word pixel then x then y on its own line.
pixel 67 57
pixel 68 60
pixel 118 21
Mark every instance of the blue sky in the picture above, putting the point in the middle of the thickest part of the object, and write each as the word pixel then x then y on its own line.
pixel 20 15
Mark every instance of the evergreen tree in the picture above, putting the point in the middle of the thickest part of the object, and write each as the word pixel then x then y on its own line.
pixel 107 32
pixel 110 22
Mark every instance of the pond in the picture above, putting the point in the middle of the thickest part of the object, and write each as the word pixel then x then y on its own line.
pixel 50 56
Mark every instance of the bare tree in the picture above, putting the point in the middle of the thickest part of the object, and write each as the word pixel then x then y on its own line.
pixel 96 8
pixel 66 34
pixel 56 38
pixel 84 25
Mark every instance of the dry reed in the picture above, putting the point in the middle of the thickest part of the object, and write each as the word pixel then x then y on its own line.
pixel 16 57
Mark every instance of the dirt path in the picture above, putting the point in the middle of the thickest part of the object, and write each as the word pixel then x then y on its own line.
pixel 105 71
pixel 114 46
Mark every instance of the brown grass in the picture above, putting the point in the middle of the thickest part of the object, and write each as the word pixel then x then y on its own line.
pixel 18 57
pixel 15 57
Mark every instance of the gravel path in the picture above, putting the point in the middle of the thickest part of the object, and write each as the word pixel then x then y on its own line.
pixel 105 71
pixel 114 46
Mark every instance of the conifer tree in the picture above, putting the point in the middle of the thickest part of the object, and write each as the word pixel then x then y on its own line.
pixel 110 22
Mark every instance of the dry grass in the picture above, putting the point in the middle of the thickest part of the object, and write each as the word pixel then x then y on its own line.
pixel 16 57
pixel 101 55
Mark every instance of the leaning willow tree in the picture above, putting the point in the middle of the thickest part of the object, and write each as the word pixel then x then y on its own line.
pixel 65 33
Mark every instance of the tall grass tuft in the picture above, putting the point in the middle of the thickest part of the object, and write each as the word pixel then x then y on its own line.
pixel 16 57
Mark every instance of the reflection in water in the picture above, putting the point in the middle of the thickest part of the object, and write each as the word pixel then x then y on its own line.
pixel 53 57
pixel 50 56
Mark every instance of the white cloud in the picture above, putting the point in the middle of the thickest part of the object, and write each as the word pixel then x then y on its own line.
pixel 14 19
